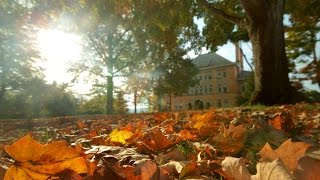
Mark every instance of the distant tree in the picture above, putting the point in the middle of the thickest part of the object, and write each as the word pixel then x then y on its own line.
pixel 111 48
pixel 301 39
pixel 248 90
pixel 175 76
pixel 96 105
pixel 60 102
pixel 120 104
pixel 38 99
pixel 18 52
pixel 139 85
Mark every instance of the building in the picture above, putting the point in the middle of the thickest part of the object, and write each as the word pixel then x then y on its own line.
pixel 221 82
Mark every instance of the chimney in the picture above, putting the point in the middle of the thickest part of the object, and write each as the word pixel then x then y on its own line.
pixel 239 56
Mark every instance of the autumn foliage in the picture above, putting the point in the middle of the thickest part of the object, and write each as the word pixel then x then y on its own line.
pixel 273 143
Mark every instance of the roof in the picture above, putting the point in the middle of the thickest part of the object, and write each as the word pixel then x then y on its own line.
pixel 244 75
pixel 211 59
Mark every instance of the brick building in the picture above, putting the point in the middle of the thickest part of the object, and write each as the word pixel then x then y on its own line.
pixel 221 82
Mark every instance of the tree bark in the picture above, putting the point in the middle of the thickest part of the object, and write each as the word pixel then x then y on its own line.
pixel 266 31
pixel 110 67
pixel 135 101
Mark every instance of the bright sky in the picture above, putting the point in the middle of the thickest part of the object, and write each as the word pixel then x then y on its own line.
pixel 60 50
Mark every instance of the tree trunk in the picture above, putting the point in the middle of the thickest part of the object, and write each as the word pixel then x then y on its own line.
pixel 170 101
pixel 135 96
pixel 109 108
pixel 110 66
pixel 266 31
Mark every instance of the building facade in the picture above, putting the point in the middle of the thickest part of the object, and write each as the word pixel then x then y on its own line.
pixel 221 82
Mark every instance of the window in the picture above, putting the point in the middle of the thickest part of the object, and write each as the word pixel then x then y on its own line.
pixel 219 88
pixel 224 74
pixel 210 88
pixel 209 77
pixel 196 91
pixel 243 88
pixel 219 103
pixel 218 74
pixel 205 90
pixel 200 91
pixel 224 89
pixel 205 77
pixel 207 105
pixel 200 77
pixel 226 102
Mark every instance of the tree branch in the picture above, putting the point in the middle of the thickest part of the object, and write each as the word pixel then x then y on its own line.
pixel 230 18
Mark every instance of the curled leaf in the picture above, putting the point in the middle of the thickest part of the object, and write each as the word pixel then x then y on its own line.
pixel 271 171
pixel 235 168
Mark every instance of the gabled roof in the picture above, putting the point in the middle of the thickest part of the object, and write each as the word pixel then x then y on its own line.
pixel 211 59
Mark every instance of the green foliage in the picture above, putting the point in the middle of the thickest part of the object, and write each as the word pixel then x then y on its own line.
pixel 17 48
pixel 248 90
pixel 96 105
pixel 302 39
pixel 186 148
pixel 311 96
pixel 38 99
pixel 120 104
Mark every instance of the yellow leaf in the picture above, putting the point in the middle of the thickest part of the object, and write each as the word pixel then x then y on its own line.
pixel 120 136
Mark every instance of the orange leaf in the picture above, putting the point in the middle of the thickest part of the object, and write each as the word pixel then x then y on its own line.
pixel 41 161
pixel 81 124
pixel 25 149
pixel 186 135
pixel 156 140
pixel 289 152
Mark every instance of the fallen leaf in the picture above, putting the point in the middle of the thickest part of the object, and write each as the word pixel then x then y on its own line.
pixel 289 152
pixel 272 171
pixel 231 139
pixel 235 168
pixel 120 136
pixel 42 161
pixel 156 140
pixel 308 169
pixel 188 170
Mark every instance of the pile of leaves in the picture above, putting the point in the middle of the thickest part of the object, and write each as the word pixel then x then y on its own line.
pixel 239 143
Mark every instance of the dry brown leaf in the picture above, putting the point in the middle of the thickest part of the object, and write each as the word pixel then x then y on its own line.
pixel 272 171
pixel 309 169
pixel 230 139
pixel 235 168
pixel 289 152
pixel 189 169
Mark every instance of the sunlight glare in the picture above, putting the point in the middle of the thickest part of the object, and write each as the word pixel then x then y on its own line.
pixel 59 49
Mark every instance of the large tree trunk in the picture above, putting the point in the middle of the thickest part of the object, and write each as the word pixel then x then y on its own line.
pixel 266 31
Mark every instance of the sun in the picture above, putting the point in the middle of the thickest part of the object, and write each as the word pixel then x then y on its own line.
pixel 59 49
